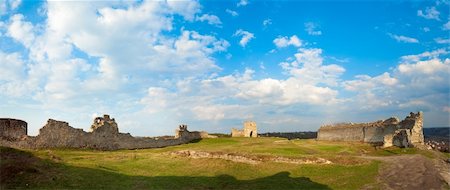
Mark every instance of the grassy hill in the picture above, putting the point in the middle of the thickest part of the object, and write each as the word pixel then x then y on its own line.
pixel 162 169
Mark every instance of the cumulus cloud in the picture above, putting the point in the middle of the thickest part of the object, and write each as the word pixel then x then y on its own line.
pixel 312 29
pixel 285 41
pixel 404 39
pixel 429 13
pixel 246 36
pixel 419 82
pixel 211 19
pixel 232 13
pixel 122 47
pixel 242 3
pixel 20 30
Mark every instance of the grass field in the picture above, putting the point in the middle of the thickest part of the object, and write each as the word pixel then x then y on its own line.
pixel 157 169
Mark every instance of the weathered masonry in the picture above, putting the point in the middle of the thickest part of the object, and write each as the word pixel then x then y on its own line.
pixel 12 129
pixel 105 135
pixel 249 130
pixel 389 132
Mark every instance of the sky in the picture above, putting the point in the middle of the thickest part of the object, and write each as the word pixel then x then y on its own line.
pixel 288 65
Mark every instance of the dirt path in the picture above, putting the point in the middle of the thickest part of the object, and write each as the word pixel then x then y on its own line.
pixel 412 172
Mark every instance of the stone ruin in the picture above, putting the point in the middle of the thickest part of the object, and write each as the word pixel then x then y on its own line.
pixel 12 129
pixel 104 135
pixel 389 132
pixel 182 128
pixel 249 130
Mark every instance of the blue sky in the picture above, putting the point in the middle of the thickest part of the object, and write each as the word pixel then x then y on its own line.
pixel 288 65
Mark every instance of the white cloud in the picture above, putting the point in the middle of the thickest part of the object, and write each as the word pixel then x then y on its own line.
pixel 429 13
pixel 231 12
pixel 285 41
pixel 242 3
pixel 187 9
pixel 426 29
pixel 404 39
pixel 12 67
pixel 7 6
pixel 267 22
pixel 419 82
pixel 211 19
pixel 365 82
pixel 423 67
pixel 446 26
pixel 125 49
pixel 21 30
pixel 308 67
pixel 246 36
pixel 425 55
pixel 312 29
pixel 442 40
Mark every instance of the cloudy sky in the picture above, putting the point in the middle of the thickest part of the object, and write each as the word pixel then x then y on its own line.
pixel 289 66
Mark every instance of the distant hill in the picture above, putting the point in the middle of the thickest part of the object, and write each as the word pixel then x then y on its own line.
pixel 437 132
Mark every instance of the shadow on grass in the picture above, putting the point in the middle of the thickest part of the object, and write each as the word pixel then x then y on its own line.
pixel 20 169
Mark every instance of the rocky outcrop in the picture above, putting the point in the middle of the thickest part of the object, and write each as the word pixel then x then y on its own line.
pixel 104 136
pixel 389 132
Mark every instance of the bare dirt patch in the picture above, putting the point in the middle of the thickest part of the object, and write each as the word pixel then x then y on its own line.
pixel 409 172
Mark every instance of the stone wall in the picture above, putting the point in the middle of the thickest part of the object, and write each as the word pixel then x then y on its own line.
pixel 389 132
pixel 250 130
pixel 12 129
pixel 104 136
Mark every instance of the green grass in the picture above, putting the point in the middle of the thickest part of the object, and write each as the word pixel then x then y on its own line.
pixel 155 169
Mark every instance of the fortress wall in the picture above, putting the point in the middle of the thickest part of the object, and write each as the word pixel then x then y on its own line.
pixel 12 129
pixel 389 132
pixel 58 134
pixel 374 134
pixel 345 133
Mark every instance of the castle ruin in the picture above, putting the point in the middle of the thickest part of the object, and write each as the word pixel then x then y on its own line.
pixel 389 132
pixel 104 135
pixel 249 130
pixel 12 129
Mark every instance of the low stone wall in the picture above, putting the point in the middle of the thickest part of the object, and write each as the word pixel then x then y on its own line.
pixel 59 134
pixel 389 132
pixel 12 129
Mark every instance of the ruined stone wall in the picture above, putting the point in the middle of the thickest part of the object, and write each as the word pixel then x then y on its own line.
pixel 250 130
pixel 12 129
pixel 237 133
pixel 105 136
pixel 390 132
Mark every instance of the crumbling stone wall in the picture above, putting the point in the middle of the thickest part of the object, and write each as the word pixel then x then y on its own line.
pixel 389 132
pixel 104 136
pixel 250 130
pixel 12 129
